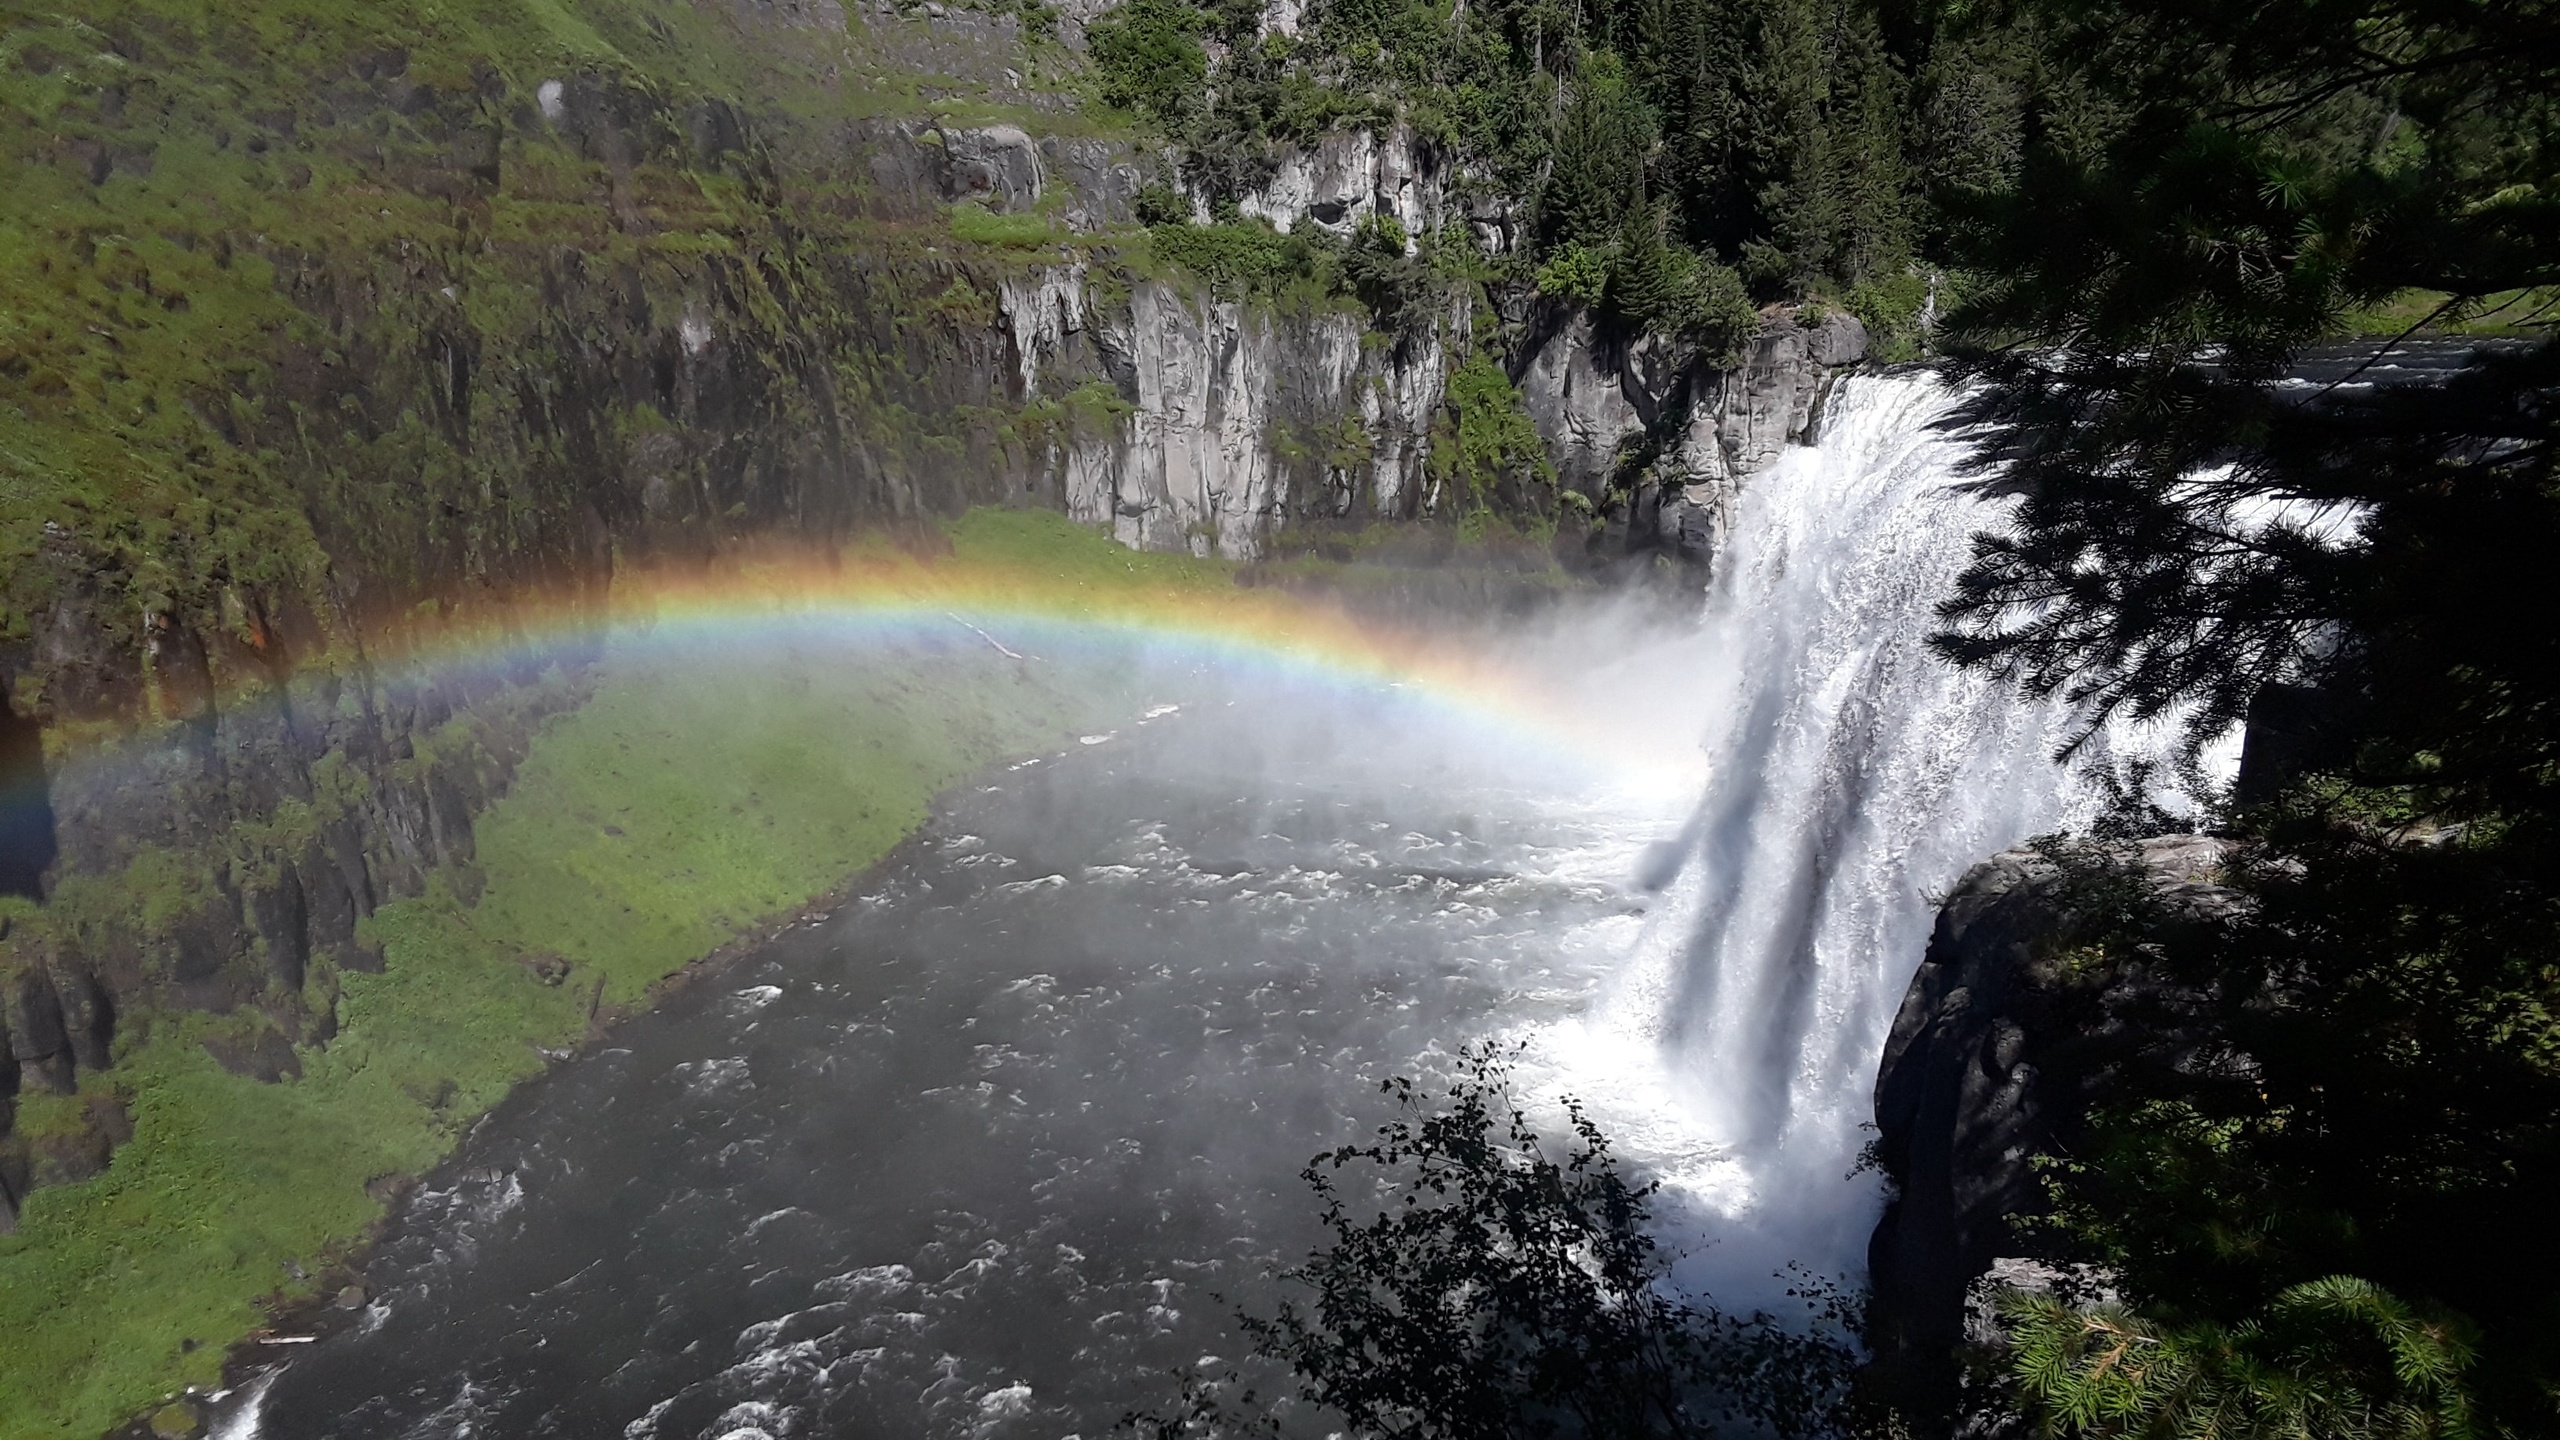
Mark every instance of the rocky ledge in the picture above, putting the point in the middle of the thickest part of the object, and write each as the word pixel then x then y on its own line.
pixel 2013 1029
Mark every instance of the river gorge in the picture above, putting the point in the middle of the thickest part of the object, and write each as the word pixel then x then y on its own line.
pixel 1002 1140
pixel 1391 719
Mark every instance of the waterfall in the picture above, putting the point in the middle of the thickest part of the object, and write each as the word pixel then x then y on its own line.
pixel 1854 777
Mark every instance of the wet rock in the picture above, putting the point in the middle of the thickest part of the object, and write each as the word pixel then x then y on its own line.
pixel 39 1040
pixel 351 1298
pixel 2000 1049
pixel 278 910
pixel 178 1420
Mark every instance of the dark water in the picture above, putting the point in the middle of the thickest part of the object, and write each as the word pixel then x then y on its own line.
pixel 974 1156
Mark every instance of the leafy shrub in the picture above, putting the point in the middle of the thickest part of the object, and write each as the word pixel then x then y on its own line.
pixel 1889 306
pixel 1382 234
pixel 1376 269
pixel 1506 1285
pixel 1161 204
pixel 1486 449
pixel 1243 257
pixel 1575 272
pixel 1147 58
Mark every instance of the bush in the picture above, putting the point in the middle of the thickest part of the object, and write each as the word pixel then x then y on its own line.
pixel 1502 1290
pixel 1889 307
pixel 1663 288
pixel 1575 272
pixel 1147 58
pixel 1243 257
pixel 1161 204
pixel 1485 449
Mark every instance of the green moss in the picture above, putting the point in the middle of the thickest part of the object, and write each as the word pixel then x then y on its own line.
pixel 42 1117
pixel 692 799
pixel 976 224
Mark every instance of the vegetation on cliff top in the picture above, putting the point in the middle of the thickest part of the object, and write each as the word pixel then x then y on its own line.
pixel 310 312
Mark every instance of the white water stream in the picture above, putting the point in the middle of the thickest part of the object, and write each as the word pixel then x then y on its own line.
pixel 1853 778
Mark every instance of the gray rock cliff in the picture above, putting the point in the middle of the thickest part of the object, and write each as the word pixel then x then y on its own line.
pixel 2004 1041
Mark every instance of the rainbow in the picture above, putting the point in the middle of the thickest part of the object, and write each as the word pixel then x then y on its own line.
pixel 1027 607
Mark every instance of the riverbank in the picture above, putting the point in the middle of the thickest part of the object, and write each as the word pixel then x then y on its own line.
pixel 698 793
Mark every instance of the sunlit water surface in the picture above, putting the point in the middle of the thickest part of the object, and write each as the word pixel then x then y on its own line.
pixel 978 1154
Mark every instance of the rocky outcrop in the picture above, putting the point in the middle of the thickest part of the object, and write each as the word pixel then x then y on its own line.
pixel 1193 423
pixel 996 165
pixel 1593 398
pixel 2012 1029
pixel 1348 176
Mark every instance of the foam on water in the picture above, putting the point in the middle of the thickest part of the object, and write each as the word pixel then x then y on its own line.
pixel 1853 778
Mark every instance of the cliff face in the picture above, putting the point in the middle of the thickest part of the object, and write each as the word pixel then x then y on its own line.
pixel 227 868
pixel 2008 1036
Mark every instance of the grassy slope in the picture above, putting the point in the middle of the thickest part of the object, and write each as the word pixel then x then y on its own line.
pixel 740 793
pixel 180 179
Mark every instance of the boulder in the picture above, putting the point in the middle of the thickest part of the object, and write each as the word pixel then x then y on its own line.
pixel 1840 339
pixel 2001 1047
pixel 996 165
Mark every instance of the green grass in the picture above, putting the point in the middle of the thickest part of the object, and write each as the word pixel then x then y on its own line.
pixel 977 225
pixel 696 795
pixel 2509 312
